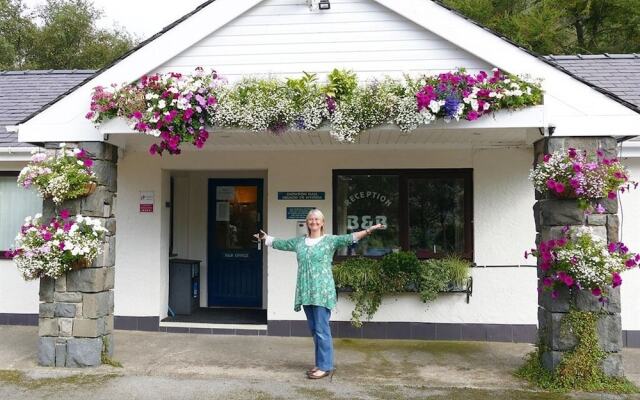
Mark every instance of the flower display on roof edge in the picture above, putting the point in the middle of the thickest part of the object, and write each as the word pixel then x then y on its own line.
pixel 178 108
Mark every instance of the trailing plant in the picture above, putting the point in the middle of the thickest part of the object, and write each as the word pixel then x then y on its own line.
pixel 434 278
pixel 63 176
pixel 368 280
pixel 51 249
pixel 364 277
pixel 576 174
pixel 176 108
pixel 580 368
pixel 582 260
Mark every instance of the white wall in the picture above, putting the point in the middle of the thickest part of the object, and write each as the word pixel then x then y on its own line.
pixel 282 37
pixel 630 221
pixel 501 295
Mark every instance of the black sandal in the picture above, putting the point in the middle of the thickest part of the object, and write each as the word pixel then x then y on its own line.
pixel 322 375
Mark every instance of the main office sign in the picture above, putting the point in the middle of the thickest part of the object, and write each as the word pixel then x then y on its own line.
pixel 300 195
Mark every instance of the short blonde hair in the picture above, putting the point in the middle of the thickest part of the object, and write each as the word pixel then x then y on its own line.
pixel 318 214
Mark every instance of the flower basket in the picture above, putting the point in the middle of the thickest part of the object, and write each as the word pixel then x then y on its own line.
pixel 64 244
pixel 89 188
pixel 582 262
pixel 64 176
pixel 577 175
pixel 79 264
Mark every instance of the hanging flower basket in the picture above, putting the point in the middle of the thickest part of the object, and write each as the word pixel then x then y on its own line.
pixel 89 188
pixel 581 260
pixel 577 175
pixel 64 176
pixel 50 250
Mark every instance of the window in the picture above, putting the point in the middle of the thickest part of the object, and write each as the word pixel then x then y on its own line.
pixel 428 212
pixel 15 204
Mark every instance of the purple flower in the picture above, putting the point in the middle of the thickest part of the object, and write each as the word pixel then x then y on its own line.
pixel 451 106
pixel 472 116
pixel 47 236
pixel 331 104
pixel 555 294
pixel 64 214
pixel 577 167
pixel 546 281
pixel 630 263
pixel 616 280
pixel 572 152
pixel 596 291
pixel 559 187
pixel 600 209
pixel 612 195
pixel 600 153
pixel 88 162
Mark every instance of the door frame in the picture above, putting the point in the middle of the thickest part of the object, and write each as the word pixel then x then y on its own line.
pixel 211 234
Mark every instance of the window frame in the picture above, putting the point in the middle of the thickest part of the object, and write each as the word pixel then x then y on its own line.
pixel 403 215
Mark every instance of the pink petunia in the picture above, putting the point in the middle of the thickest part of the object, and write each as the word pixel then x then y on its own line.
pixel 88 162
pixel 612 195
pixel 547 157
pixel 616 280
pixel 559 187
pixel 596 291
pixel 64 214
pixel 546 281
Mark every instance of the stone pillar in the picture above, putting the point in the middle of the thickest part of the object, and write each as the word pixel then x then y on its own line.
pixel 551 215
pixel 76 310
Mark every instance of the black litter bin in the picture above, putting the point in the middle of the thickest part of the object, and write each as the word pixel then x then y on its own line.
pixel 184 282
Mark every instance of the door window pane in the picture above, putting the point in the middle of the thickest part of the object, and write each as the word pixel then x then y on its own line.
pixel 15 204
pixel 366 200
pixel 236 217
pixel 436 216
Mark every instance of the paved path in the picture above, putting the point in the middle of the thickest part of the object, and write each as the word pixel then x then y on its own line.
pixel 189 366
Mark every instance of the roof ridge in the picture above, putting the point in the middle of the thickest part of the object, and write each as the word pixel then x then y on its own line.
pixel 46 71
pixel 603 56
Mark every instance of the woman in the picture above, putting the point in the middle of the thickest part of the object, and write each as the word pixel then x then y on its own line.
pixel 315 289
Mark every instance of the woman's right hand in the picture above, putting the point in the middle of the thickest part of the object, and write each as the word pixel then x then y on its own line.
pixel 260 235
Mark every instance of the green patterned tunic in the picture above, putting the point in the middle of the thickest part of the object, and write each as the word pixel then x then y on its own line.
pixel 314 284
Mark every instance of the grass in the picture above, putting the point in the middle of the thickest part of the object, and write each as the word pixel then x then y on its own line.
pixel 18 378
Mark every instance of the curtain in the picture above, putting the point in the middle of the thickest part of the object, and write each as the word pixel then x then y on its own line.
pixel 15 204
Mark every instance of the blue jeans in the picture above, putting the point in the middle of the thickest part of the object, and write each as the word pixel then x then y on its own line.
pixel 318 319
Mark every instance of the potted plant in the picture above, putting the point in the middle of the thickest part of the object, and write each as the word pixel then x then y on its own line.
pixel 582 261
pixel 51 249
pixel 64 176
pixel 576 175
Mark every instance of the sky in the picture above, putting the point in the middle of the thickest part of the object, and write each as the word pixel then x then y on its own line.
pixel 141 18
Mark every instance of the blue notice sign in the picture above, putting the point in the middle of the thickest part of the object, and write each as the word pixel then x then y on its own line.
pixel 300 195
pixel 299 213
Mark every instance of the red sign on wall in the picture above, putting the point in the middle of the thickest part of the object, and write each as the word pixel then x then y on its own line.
pixel 146 202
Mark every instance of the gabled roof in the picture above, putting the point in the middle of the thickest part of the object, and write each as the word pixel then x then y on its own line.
pixel 25 92
pixel 571 103
pixel 617 73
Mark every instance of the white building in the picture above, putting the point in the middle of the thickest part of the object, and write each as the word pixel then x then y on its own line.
pixel 488 160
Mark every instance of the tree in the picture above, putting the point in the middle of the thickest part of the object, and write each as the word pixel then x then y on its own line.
pixel 62 34
pixel 17 32
pixel 560 27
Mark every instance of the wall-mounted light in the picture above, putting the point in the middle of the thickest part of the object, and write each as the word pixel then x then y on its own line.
pixel 324 5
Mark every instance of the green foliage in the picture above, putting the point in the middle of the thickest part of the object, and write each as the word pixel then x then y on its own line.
pixel 560 27
pixel 434 278
pixel 458 269
pixel 370 279
pixel 342 83
pixel 65 37
pixel 104 354
pixel 364 276
pixel 580 369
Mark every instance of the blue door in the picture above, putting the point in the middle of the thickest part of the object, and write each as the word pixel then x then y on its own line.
pixel 234 260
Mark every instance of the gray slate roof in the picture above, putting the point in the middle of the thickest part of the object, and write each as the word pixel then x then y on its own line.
pixel 25 92
pixel 616 73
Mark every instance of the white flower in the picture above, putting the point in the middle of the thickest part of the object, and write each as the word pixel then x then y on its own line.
pixel 162 104
pixel 37 216
pixel 63 145
pixel 434 106
pixel 148 96
pixel 517 92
